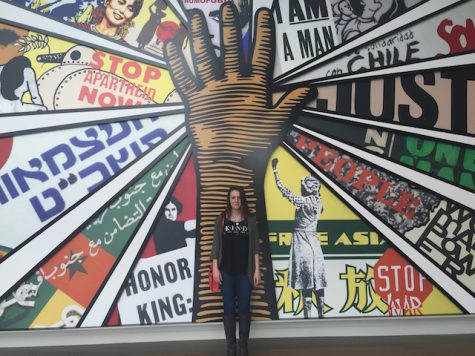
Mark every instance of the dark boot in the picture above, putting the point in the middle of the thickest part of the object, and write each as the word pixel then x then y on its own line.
pixel 320 307
pixel 244 327
pixel 229 322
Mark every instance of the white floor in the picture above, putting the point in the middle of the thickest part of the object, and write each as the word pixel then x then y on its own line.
pixel 314 328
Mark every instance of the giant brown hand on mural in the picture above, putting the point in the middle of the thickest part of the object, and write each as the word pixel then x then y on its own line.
pixel 231 110
pixel 234 127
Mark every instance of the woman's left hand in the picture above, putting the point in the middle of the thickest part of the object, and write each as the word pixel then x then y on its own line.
pixel 257 278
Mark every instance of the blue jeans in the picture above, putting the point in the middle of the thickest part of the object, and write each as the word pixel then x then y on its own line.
pixel 236 286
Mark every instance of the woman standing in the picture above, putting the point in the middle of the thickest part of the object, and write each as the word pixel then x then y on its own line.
pixel 306 263
pixel 235 256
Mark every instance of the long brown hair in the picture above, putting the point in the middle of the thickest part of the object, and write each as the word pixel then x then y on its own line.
pixel 244 207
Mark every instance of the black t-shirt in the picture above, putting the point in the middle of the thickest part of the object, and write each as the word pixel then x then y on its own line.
pixel 235 247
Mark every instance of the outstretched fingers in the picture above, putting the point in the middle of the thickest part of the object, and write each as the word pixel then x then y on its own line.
pixel 231 39
pixel 263 54
pixel 206 63
pixel 180 72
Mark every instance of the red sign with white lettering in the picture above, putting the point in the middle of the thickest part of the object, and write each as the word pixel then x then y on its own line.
pixel 400 285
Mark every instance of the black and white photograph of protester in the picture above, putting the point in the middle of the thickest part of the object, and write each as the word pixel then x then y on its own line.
pixel 306 261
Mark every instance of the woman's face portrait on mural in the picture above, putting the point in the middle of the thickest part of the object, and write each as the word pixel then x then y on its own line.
pixel 171 211
pixel 118 12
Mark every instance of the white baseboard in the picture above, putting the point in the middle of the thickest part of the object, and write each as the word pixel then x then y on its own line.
pixel 351 327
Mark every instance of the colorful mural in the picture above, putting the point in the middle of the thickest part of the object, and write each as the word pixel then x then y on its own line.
pixel 350 125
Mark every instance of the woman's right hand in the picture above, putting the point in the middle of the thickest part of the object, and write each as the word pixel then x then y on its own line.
pixel 217 275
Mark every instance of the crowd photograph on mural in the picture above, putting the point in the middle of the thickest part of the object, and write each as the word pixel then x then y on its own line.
pixel 182 161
